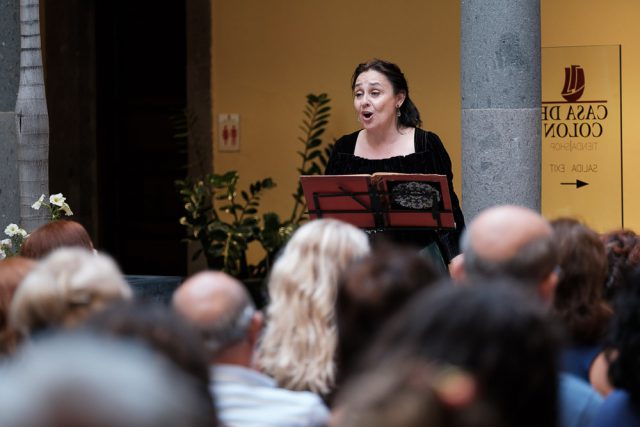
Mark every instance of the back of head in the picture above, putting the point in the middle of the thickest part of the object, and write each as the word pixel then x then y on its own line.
pixel 496 333
pixel 371 291
pixel 578 298
pixel 409 114
pixel 12 271
pixel 623 255
pixel 74 380
pixel 218 306
pixel 624 339
pixel 164 331
pixel 53 235
pixel 509 241
pixel 415 393
pixel 299 343
pixel 64 288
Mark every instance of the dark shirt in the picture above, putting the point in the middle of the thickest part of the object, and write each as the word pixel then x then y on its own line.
pixel 430 157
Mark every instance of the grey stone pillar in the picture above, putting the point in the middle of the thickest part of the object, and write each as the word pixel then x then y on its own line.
pixel 199 105
pixel 199 102
pixel 500 84
pixel 9 80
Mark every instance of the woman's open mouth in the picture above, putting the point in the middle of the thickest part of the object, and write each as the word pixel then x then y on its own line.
pixel 367 114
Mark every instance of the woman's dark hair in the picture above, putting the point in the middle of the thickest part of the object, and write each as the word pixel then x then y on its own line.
pixel 409 114
pixel 578 300
pixel 54 235
pixel 494 331
pixel 623 345
pixel 370 292
pixel 623 255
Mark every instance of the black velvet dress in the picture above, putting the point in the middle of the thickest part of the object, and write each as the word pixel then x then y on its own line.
pixel 430 157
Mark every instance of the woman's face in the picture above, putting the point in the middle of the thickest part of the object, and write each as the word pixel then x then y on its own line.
pixel 374 100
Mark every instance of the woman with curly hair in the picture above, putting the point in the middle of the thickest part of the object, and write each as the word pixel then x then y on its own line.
pixel 578 300
pixel 623 255
pixel 299 342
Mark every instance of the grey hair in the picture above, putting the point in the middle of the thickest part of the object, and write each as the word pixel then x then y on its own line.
pixel 530 265
pixel 230 327
pixel 82 379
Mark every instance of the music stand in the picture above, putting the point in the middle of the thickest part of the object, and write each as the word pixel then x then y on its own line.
pixel 381 201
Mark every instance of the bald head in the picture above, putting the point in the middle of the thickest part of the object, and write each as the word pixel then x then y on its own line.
pixel 218 305
pixel 498 233
pixel 510 241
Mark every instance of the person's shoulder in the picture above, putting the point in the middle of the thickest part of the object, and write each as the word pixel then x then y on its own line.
pixel 427 134
pixel 427 140
pixel 617 410
pixel 346 143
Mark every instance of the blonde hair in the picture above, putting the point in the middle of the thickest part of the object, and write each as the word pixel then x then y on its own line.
pixel 64 288
pixel 299 342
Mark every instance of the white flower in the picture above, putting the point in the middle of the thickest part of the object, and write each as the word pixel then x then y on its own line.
pixel 6 243
pixel 2 254
pixel 11 230
pixel 67 209
pixel 37 204
pixel 57 199
pixel 22 232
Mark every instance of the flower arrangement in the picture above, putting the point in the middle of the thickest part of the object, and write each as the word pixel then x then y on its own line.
pixel 11 246
pixel 58 207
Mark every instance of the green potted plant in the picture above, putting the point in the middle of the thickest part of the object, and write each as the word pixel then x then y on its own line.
pixel 226 220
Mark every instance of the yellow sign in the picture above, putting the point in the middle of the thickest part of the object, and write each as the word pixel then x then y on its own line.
pixel 581 135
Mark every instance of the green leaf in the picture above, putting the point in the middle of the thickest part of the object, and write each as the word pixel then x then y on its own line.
pixel 314 143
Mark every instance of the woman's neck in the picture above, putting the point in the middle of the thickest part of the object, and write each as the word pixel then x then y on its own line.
pixel 379 137
pixel 381 145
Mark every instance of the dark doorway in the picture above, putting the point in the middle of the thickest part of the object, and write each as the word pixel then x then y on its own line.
pixel 141 84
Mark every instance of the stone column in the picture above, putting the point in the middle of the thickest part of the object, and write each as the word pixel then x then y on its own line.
pixel 199 105
pixel 9 80
pixel 500 85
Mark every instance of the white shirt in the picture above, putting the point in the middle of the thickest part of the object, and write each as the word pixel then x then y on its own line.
pixel 247 398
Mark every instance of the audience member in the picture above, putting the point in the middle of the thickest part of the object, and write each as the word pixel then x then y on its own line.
pixel 64 288
pixel 513 242
pixel 415 393
pixel 517 243
pixel 623 255
pixel 578 301
pixel 621 408
pixel 72 380
pixel 220 307
pixel 164 331
pixel 298 347
pixel 371 291
pixel 54 235
pixel 12 271
pixel 495 333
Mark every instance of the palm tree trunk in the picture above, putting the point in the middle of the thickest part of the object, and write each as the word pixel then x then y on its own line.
pixel 32 119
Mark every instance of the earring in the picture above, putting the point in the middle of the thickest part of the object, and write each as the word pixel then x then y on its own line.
pixel 398 113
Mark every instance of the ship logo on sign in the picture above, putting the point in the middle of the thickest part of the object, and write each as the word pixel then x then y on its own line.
pixel 573 83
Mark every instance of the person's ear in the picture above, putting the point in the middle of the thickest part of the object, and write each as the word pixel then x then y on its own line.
pixel 255 327
pixel 400 97
pixel 456 268
pixel 547 287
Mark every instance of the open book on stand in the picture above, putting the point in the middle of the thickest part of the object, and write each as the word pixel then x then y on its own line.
pixel 381 200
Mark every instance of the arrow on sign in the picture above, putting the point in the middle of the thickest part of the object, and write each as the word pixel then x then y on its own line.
pixel 578 183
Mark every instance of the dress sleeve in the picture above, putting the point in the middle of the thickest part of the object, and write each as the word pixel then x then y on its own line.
pixel 450 239
pixel 342 147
